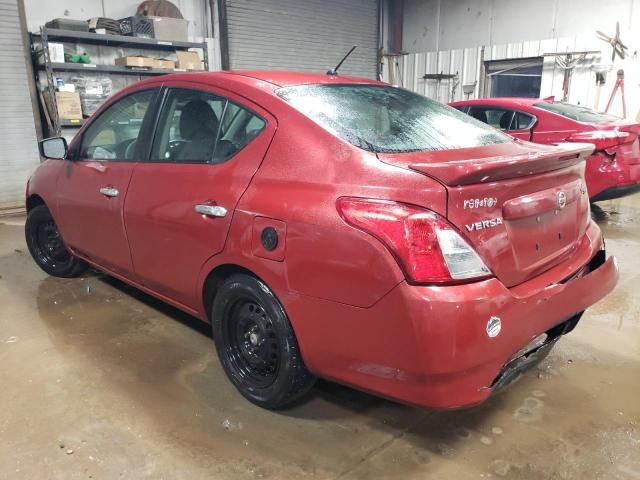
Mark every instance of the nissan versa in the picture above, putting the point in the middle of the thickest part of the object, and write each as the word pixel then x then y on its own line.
pixel 331 227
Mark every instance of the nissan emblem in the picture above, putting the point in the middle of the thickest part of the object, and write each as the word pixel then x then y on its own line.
pixel 562 200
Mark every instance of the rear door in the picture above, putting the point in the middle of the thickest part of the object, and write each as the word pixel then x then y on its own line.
pixel 93 185
pixel 208 144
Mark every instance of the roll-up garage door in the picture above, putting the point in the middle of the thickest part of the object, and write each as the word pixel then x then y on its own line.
pixel 18 141
pixel 309 35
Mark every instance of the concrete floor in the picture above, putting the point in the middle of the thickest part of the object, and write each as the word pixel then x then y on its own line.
pixel 100 381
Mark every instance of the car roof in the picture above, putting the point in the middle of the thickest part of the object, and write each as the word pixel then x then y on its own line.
pixel 278 78
pixel 502 101
pixel 284 78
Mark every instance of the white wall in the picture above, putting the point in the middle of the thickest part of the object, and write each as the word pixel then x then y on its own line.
pixel 39 12
pixel 467 62
pixel 456 36
pixel 431 25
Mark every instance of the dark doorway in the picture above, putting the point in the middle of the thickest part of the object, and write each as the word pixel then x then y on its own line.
pixel 514 78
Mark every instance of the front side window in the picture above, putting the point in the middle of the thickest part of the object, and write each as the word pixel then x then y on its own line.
pixel 200 127
pixel 577 112
pixel 382 118
pixel 113 136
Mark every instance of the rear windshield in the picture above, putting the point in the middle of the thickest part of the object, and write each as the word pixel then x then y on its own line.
pixel 577 112
pixel 382 118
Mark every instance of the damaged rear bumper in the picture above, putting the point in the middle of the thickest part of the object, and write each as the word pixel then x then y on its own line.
pixel 432 346
pixel 532 354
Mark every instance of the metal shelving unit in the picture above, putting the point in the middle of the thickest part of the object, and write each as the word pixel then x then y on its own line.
pixel 71 36
pixel 115 40
pixel 92 67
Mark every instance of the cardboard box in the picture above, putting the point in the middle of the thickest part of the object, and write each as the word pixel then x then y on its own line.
pixel 137 61
pixel 170 29
pixel 166 64
pixel 188 61
pixel 69 107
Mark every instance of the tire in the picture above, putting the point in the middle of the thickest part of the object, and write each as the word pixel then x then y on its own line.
pixel 47 247
pixel 256 343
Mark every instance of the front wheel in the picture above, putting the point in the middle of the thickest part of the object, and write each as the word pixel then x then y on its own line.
pixel 256 343
pixel 47 247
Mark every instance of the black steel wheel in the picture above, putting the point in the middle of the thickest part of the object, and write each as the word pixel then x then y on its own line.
pixel 252 344
pixel 256 343
pixel 47 246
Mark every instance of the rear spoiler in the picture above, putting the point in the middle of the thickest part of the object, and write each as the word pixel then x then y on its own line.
pixel 491 169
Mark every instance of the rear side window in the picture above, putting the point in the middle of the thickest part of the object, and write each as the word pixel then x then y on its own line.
pixel 200 127
pixel 499 118
pixel 188 127
pixel 386 119
pixel 577 112
pixel 239 127
pixel 522 121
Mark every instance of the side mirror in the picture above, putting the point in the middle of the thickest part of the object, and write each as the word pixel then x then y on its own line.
pixel 54 148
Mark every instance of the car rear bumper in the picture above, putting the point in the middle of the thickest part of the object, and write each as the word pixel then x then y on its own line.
pixel 462 365
pixel 607 180
pixel 429 346
pixel 616 191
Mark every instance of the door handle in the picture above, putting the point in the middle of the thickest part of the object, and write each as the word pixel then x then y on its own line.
pixel 109 191
pixel 211 210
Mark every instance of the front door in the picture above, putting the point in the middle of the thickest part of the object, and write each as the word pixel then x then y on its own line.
pixel 93 186
pixel 207 146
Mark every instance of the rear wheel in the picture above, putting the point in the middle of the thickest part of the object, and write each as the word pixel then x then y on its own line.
pixel 47 247
pixel 256 343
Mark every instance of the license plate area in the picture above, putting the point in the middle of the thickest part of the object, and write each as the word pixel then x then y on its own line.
pixel 544 225
pixel 539 239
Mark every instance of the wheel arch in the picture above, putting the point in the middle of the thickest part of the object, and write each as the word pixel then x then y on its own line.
pixel 216 277
pixel 33 201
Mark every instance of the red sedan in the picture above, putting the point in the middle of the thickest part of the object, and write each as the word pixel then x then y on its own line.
pixel 328 226
pixel 612 171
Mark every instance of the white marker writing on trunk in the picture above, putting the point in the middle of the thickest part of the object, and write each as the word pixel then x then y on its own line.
pixel 479 202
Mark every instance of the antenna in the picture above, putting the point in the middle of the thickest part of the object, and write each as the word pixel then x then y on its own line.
pixel 334 70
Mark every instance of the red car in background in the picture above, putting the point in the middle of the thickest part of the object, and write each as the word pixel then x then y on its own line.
pixel 612 171
pixel 328 226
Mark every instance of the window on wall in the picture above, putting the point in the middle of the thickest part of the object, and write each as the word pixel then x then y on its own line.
pixel 514 78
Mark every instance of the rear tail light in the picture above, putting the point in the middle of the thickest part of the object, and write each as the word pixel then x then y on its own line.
pixel 603 139
pixel 427 247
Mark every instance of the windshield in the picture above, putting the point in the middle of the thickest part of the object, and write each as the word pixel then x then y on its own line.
pixel 577 112
pixel 382 118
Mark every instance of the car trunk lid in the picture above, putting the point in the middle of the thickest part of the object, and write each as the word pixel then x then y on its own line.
pixel 523 207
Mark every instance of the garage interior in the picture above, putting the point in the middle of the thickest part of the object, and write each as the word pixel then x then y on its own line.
pixel 103 381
